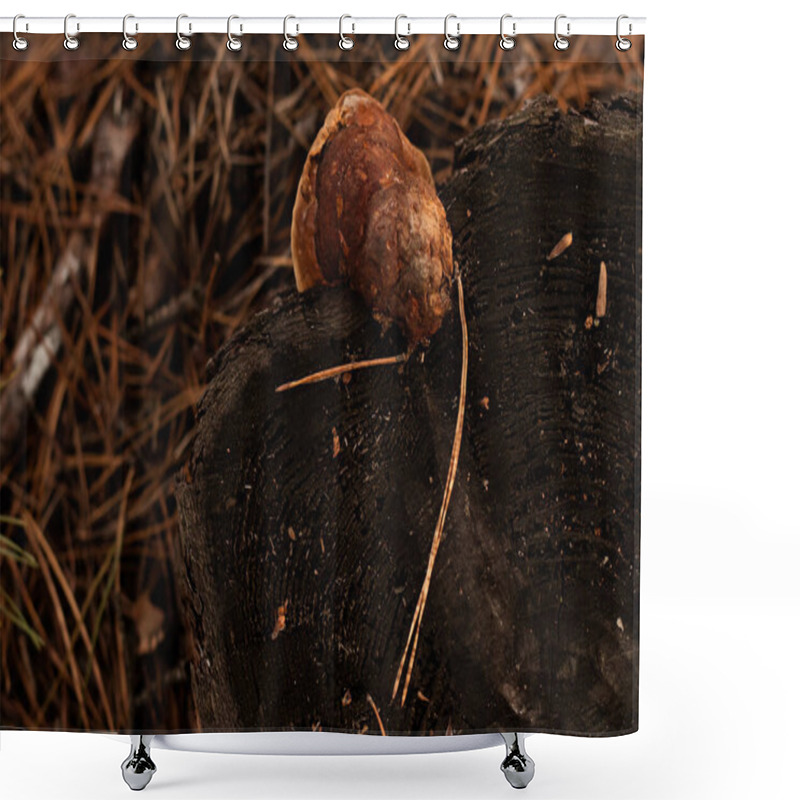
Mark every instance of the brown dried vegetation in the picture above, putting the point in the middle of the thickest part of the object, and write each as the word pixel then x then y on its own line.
pixel 189 240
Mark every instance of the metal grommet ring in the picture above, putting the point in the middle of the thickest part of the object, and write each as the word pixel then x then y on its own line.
pixel 345 42
pixel 452 42
pixel 400 42
pixel 70 42
pixel 507 42
pixel 19 43
pixel 128 42
pixel 182 42
pixel 234 43
pixel 561 43
pixel 623 44
pixel 289 42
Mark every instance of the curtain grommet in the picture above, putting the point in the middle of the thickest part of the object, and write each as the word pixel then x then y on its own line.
pixel 507 42
pixel 623 44
pixel 290 44
pixel 234 43
pixel 345 42
pixel 401 42
pixel 451 42
pixel 71 42
pixel 128 42
pixel 182 42
pixel 20 44
pixel 561 43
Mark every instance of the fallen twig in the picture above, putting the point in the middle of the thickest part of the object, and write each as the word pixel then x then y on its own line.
pixel 41 341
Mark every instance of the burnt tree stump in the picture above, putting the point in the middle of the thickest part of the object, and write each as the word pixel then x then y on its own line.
pixel 307 515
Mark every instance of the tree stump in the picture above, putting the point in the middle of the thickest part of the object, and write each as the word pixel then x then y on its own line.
pixel 307 515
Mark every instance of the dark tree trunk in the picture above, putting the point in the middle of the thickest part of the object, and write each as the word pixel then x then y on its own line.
pixel 307 515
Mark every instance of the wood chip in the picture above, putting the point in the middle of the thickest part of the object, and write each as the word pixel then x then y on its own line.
pixel 347 698
pixel 280 621
pixel 336 444
pixel 563 243
pixel 602 286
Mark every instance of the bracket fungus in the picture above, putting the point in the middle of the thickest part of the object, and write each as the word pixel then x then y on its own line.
pixel 367 215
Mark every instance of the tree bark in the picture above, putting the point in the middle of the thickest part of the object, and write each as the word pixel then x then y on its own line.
pixel 307 515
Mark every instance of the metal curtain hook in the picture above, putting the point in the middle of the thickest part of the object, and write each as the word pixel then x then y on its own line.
pixel 507 42
pixel 71 42
pixel 289 42
pixel 234 43
pixel 623 44
pixel 452 42
pixel 182 42
pixel 400 42
pixel 561 43
pixel 128 42
pixel 345 42
pixel 19 43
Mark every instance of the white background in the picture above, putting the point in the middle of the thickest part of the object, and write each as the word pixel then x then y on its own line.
pixel 720 604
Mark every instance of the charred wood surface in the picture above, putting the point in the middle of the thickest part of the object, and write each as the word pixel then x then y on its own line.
pixel 307 515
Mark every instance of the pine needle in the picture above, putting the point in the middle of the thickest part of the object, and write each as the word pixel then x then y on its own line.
pixel 332 372
pixel 377 714
pixel 416 622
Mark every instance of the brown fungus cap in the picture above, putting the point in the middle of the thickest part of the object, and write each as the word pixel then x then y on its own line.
pixel 367 215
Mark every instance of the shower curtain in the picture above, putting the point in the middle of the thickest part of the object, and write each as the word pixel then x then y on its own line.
pixel 320 385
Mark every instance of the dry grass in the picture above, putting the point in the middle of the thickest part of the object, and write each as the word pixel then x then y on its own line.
pixel 170 255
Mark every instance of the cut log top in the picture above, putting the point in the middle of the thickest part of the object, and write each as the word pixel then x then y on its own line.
pixel 602 129
pixel 307 515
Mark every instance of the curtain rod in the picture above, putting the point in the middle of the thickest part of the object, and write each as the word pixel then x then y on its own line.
pixel 407 26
